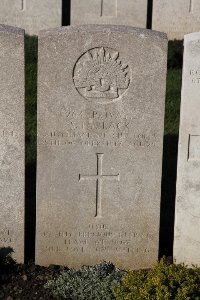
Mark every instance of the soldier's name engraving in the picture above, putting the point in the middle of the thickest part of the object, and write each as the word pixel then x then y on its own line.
pixel 95 128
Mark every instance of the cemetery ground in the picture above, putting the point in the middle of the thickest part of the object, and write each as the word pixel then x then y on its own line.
pixel 165 281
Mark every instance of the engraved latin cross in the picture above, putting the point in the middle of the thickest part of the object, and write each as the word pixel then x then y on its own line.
pixel 99 178
pixel 108 8
pixel 23 4
pixel 192 5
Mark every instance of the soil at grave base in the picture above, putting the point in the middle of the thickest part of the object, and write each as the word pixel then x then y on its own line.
pixel 23 282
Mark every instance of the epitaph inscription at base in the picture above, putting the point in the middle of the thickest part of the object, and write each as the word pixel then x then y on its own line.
pixel 187 214
pixel 12 142
pixel 100 132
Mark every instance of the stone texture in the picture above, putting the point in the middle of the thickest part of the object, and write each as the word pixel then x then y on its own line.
pixel 12 140
pixel 187 217
pixel 100 135
pixel 115 12
pixel 32 15
pixel 176 18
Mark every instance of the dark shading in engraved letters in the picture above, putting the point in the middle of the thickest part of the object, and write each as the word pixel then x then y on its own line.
pixel 100 76
pixel 99 178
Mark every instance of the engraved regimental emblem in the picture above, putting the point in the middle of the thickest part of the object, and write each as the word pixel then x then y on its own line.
pixel 100 75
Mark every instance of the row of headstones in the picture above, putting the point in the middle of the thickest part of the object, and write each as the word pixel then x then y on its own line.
pixel 101 95
pixel 176 18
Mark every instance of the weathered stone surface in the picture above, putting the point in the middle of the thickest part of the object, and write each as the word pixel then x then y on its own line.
pixel 115 12
pixel 100 132
pixel 176 18
pixel 187 217
pixel 12 140
pixel 32 15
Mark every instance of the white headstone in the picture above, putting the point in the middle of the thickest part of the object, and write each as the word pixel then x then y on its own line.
pixel 12 140
pixel 100 135
pixel 187 217
pixel 32 15
pixel 176 17
pixel 116 12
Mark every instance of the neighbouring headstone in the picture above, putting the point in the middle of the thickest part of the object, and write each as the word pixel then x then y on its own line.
pixel 100 136
pixel 176 17
pixel 12 141
pixel 32 15
pixel 187 215
pixel 115 12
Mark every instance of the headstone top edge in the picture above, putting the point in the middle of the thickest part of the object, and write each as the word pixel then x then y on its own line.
pixel 191 36
pixel 103 28
pixel 11 29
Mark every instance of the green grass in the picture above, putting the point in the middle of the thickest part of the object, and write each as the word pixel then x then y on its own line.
pixel 31 97
pixel 173 99
pixel 175 54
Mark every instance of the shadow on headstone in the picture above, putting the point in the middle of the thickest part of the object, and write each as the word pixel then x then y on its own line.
pixel 149 14
pixel 66 12
pixel 31 48
pixel 168 192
